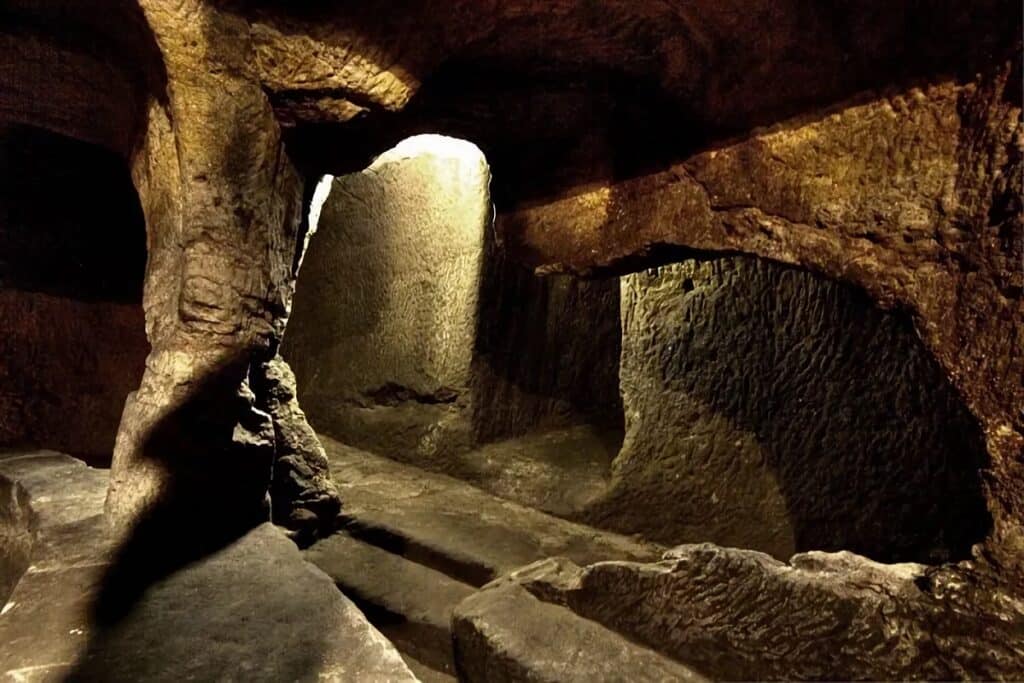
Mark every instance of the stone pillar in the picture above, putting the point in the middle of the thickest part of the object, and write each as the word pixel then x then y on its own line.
pixel 222 205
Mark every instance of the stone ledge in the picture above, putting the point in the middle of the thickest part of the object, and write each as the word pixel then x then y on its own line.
pixel 503 633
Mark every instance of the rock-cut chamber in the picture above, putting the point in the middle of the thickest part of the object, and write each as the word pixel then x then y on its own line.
pixel 726 399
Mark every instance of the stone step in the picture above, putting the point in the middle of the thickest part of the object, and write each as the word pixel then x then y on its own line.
pixel 409 603
pixel 504 633
pixel 456 528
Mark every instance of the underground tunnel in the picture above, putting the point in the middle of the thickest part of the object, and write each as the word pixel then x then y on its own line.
pixel 578 341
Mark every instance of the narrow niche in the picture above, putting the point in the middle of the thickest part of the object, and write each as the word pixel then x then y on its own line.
pixel 72 261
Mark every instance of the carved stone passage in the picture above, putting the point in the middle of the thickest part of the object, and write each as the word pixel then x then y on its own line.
pixel 914 197
pixel 413 335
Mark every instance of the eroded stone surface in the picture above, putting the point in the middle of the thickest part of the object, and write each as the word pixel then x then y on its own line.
pixel 80 72
pixel 702 56
pixel 222 205
pixel 301 492
pixel 453 526
pixel 914 197
pixel 741 615
pixel 414 335
pixel 558 471
pixel 269 615
pixel 891 160
pixel 911 193
pixel 770 409
pixel 17 535
pixel 547 352
pixel 410 603
pixel 386 314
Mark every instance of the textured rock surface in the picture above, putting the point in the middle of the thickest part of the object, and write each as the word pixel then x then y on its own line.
pixel 412 334
pixel 269 615
pixel 222 206
pixel 17 535
pixel 771 409
pixel 503 634
pixel 86 72
pixel 558 471
pixel 925 220
pixel 913 197
pixel 740 615
pixel 547 351
pixel 892 161
pixel 410 603
pixel 712 65
pixel 384 326
pixel 301 492
pixel 68 366
pixel 909 192
pixel 260 611
pixel 72 255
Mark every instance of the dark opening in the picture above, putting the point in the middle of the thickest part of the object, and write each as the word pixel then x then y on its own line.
pixel 72 260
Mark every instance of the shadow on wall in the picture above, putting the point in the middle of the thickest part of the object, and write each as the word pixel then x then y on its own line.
pixel 773 409
pixel 546 350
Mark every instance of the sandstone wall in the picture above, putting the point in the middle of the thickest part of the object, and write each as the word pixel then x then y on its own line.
pixel 67 367
pixel 773 409
pixel 914 197
pixel 384 322
pixel 412 335
pixel 547 351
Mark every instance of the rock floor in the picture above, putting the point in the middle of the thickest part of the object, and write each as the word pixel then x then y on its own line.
pixel 452 526
pixel 250 610
pixel 441 581
pixel 415 548
pixel 559 471
pixel 417 544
